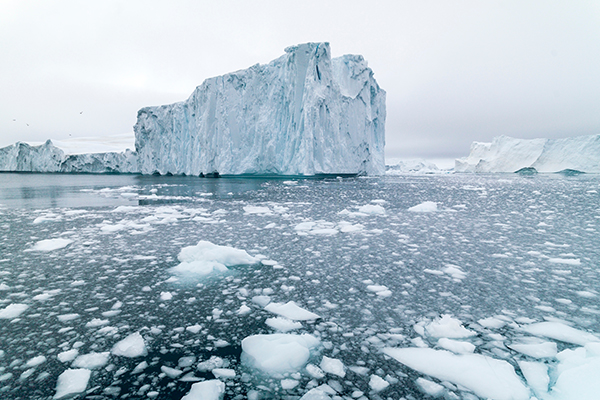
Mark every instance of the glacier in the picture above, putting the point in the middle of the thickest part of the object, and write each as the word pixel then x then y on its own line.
pixel 302 114
pixel 507 154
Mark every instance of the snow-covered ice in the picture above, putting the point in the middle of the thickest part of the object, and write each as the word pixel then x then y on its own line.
pixel 206 257
pixel 132 346
pixel 208 390
pixel 291 311
pixel 279 353
pixel 72 382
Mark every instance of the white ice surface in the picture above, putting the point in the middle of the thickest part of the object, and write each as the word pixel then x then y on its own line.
pixel 292 311
pixel 562 332
pixel 278 353
pixel 212 389
pixel 485 376
pixel 13 310
pixel 447 327
pixel 132 346
pixel 281 324
pixel 91 360
pixel 51 244
pixel 206 258
pixel 72 382
pixel 333 366
pixel 427 206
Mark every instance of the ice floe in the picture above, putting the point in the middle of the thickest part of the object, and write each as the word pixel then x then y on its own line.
pixel 278 353
pixel 206 257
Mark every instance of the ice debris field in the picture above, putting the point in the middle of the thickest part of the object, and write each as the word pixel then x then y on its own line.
pixel 408 287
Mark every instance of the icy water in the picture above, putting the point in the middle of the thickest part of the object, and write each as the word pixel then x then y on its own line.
pixel 497 254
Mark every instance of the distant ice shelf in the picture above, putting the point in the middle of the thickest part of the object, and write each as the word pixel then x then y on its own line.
pixel 506 154
pixel 303 114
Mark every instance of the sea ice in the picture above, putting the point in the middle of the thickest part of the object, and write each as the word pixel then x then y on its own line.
pixel 206 257
pixel 456 346
pixel 278 353
pixel 292 311
pixel 51 244
pixel 485 376
pixel 377 383
pixel 427 206
pixel 315 394
pixel 13 310
pixel 72 382
pixel 283 324
pixel 212 389
pixel 562 332
pixel 333 366
pixel 91 360
pixel 447 327
pixel 132 346
pixel 535 350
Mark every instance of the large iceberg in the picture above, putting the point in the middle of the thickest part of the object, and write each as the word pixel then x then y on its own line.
pixel 506 154
pixel 302 114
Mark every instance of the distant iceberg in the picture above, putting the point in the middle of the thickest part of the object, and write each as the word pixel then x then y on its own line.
pixel 23 157
pixel 506 154
pixel 302 114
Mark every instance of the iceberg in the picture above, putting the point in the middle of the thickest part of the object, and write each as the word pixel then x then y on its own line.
pixel 302 114
pixel 23 157
pixel 506 154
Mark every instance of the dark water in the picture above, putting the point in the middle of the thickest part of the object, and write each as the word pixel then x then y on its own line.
pixel 500 230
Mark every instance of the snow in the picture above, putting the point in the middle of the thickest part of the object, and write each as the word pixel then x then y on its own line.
pixel 13 310
pixel 562 332
pixel 206 258
pixel 212 389
pixel 289 117
pixel 333 366
pixel 51 244
pixel 427 206
pixel 278 353
pixel 506 154
pixel 72 382
pixel 485 376
pixel 292 311
pixel 132 346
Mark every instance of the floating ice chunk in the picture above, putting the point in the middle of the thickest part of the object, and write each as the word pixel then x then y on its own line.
pixel 536 375
pixel 67 356
pixel 257 210
pixel 578 374
pixel 484 376
pixel 492 323
pixel 376 288
pixel 213 389
pixel 333 366
pixel 13 311
pixel 278 353
pixel 377 383
pixel 287 384
pixel 96 322
pixel 562 332
pixel 132 346
pixel 315 371
pixel 447 327
pixel 372 209
pixel 535 350
pixel 283 324
pixel 166 296
pixel 427 206
pixel 456 346
pixel 261 300
pixel 291 310
pixel 67 317
pixel 429 387
pixel 567 261
pixel 50 244
pixel 171 372
pixel 91 360
pixel 35 361
pixel 223 373
pixel 586 294
pixel 243 310
pixel 71 382
pixel 454 271
pixel 210 364
pixel 315 394
pixel 205 258
pixel 140 367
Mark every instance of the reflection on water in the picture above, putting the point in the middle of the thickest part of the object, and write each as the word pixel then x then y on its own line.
pixel 24 190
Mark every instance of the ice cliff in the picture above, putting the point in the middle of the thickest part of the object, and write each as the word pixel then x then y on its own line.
pixel 49 158
pixel 506 154
pixel 302 114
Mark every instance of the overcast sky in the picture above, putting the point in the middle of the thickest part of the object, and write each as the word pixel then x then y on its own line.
pixel 454 71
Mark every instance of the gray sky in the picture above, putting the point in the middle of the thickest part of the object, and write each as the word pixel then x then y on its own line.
pixel 454 71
